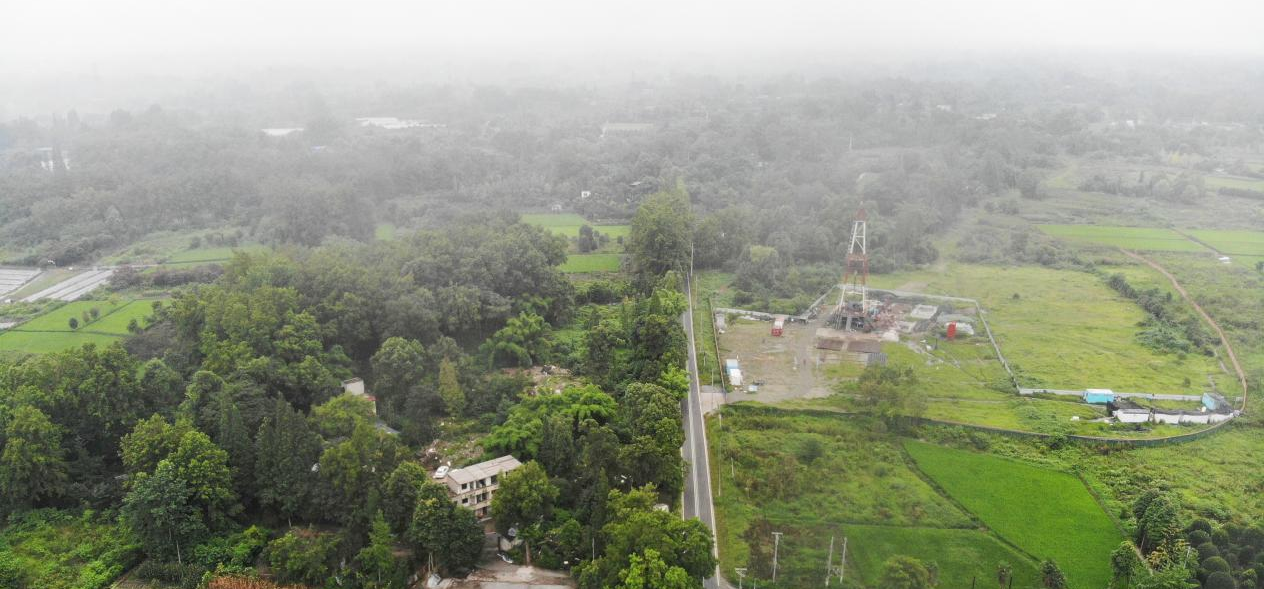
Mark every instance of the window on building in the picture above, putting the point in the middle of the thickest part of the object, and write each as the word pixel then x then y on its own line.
pixel 464 486
pixel 493 479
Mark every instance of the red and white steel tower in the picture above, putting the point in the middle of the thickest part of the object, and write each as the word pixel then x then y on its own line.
pixel 851 310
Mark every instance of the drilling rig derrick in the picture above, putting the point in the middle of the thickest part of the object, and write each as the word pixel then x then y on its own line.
pixel 853 312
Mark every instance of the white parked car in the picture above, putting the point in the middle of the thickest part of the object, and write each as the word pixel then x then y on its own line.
pixel 442 472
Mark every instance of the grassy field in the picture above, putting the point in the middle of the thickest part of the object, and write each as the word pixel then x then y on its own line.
pixel 963 556
pixel 1062 328
pixel 211 254
pixel 384 232
pixel 813 476
pixel 568 224
pixel 588 263
pixel 1240 243
pixel 704 335
pixel 1238 182
pixel 1134 238
pixel 51 331
pixel 605 259
pixel 1049 514
pixel 178 247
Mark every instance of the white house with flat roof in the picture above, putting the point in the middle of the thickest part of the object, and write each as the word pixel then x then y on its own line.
pixel 472 487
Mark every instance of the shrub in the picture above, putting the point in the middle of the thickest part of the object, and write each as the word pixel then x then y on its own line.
pixel 186 576
pixel 10 572
pixel 236 552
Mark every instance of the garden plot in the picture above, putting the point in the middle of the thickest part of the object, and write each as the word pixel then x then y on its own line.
pixel 12 279
pixel 73 287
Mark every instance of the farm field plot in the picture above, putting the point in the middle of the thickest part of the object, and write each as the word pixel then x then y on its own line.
pixel 568 224
pixel 1239 182
pixel 1241 243
pixel 1049 514
pixel 51 332
pixel 12 279
pixel 73 287
pixel 964 556
pixel 1063 328
pixel 59 319
pixel 812 475
pixel 212 254
pixel 1134 238
pixel 48 342
pixel 162 246
pixel 587 263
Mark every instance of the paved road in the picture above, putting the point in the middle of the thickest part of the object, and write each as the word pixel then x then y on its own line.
pixel 697 497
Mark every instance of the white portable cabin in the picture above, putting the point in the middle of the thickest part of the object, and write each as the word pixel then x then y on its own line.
pixel 735 377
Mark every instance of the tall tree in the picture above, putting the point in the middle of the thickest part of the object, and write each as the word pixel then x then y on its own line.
pixel 375 563
pixel 635 526
pixel 231 435
pixel 399 496
pixel 398 365
pixel 286 450
pixel 660 236
pixel 160 511
pixel 203 467
pixel 525 498
pixel 650 572
pixel 450 388
pixel 448 533
pixel 152 440
pixel 32 465
pixel 557 446
pixel 356 468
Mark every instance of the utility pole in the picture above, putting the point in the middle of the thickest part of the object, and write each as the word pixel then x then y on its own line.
pixel 829 562
pixel 842 562
pixel 775 546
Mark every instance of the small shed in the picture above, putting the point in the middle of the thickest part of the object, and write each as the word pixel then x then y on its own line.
pixel 731 364
pixel 1215 402
pixel 1099 396
pixel 735 377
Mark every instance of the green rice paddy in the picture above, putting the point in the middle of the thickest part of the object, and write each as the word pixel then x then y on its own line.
pixel 1133 238
pixel 1047 513
pixel 587 263
pixel 51 331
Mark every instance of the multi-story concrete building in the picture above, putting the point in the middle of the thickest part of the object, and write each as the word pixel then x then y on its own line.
pixel 472 487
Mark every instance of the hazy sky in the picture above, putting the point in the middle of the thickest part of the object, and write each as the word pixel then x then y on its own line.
pixel 51 37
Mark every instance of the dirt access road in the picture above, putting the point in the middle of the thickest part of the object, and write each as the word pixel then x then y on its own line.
pixel 1233 358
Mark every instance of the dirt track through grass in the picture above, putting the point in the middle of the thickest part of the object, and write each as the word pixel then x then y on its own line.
pixel 1224 341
